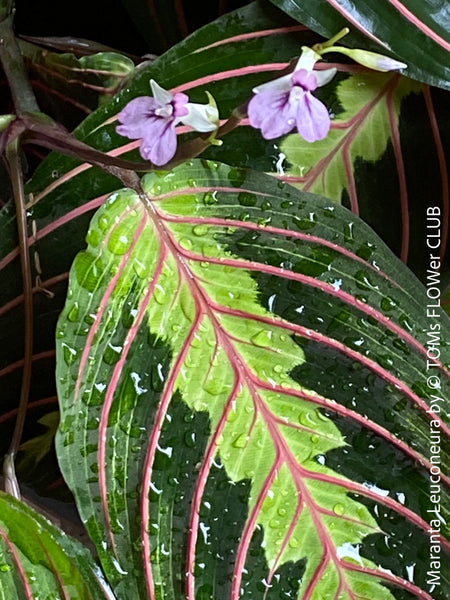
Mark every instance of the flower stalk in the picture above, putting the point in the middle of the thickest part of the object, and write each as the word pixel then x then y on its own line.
pixel 320 48
pixel 371 60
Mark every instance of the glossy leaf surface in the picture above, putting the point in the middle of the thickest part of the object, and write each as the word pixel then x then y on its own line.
pixel 37 560
pixel 416 32
pixel 218 358
pixel 228 58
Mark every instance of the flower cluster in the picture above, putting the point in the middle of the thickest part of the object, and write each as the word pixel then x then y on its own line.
pixel 277 107
pixel 153 120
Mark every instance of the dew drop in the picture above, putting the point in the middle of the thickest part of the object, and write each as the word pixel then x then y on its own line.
pixel 74 313
pixel 93 237
pixel 405 322
pixel 339 509
pixel 159 294
pixel 210 198
pixel 112 354
pixel 190 439
pixel 103 223
pixel 307 418
pixel 70 354
pixel 287 204
pixel 304 224
pixel 262 338
pixel 348 232
pixel 232 416
pixel 186 243
pixel 240 441
pixel 268 502
pixel 274 523
pixel 213 386
pixel 265 221
pixel 366 250
pixel 200 230
pixel 363 281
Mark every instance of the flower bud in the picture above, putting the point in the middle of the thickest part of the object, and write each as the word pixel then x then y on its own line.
pixel 372 60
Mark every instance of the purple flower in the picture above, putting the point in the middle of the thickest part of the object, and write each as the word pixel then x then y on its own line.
pixel 287 102
pixel 153 119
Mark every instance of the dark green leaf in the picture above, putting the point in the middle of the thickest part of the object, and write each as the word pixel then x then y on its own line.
pixel 416 32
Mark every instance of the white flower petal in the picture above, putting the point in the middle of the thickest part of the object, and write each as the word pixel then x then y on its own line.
pixel 282 84
pixel 161 95
pixel 201 117
pixel 324 77
pixel 307 60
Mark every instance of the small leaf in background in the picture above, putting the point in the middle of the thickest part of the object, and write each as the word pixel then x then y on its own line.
pixel 37 560
pixel 35 449
pixel 69 87
pixel 220 334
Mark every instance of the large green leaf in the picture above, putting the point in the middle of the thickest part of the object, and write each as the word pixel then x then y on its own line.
pixel 416 32
pixel 37 560
pixel 218 357
pixel 228 58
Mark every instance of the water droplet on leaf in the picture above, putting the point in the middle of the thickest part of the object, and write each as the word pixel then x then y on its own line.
pixel 339 509
pixel 262 338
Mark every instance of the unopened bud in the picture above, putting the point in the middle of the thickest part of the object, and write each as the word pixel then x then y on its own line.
pixel 372 60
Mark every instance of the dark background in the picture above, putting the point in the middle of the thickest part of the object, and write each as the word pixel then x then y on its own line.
pixel 107 21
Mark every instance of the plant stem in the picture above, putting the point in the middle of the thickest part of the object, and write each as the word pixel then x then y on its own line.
pixel 16 175
pixel 14 68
